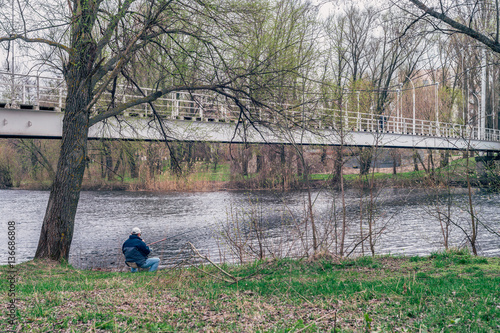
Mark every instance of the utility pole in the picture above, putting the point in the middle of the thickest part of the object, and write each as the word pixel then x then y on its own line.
pixel 438 132
pixel 414 113
pixel 482 114
pixel 12 45
pixel 12 65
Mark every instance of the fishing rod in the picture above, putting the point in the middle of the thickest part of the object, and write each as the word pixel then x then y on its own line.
pixel 176 235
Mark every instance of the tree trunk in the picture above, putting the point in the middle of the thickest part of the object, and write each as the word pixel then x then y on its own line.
pixel 337 164
pixel 395 159
pixel 152 154
pixel 244 152
pixel 103 163
pixel 472 238
pixel 175 163
pixel 34 160
pixel 305 175
pixel 132 163
pixel 189 155
pixel 365 160
pixel 57 228
pixel 415 160
pixel 430 164
pixel 344 217
pixel 430 161
pixel 215 155
pixel 259 161
pixel 300 170
pixel 109 161
pixel 283 167
pixel 58 224
pixel 118 163
pixel 323 155
pixel 445 159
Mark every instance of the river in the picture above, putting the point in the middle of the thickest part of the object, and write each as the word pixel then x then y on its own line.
pixel 406 223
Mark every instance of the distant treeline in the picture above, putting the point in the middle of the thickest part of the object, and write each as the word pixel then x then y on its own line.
pixel 30 163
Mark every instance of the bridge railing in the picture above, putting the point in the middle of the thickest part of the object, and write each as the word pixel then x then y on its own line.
pixel 492 135
pixel 369 122
pixel 31 92
pixel 176 105
pixel 45 93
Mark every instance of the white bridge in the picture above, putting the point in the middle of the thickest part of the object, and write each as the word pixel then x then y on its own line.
pixel 33 107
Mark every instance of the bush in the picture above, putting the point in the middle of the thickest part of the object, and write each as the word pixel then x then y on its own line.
pixel 5 177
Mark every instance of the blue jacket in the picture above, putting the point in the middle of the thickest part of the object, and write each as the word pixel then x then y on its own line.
pixel 135 250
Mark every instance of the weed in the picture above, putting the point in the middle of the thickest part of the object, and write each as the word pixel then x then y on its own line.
pixel 417 258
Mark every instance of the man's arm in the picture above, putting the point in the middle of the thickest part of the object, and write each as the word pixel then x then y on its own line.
pixel 144 248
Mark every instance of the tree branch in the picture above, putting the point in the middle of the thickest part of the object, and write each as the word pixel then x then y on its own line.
pixel 147 99
pixel 210 261
pixel 112 26
pixel 35 40
pixel 459 27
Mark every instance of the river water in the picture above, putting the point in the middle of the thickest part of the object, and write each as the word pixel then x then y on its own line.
pixel 406 223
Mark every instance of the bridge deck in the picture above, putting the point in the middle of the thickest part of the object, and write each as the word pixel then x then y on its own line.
pixel 24 123
pixel 30 106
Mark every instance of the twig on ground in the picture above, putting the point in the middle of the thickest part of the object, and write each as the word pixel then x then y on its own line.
pixel 211 262
pixel 213 275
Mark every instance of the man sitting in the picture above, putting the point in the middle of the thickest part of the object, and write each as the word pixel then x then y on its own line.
pixel 136 253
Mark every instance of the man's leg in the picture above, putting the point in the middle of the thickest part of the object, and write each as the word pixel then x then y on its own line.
pixel 152 263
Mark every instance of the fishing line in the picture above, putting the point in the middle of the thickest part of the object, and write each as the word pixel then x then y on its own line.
pixel 184 233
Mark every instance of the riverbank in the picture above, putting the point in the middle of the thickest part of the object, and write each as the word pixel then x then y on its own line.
pixel 447 291
pixel 454 176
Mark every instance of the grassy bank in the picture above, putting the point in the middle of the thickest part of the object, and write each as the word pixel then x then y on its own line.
pixel 450 292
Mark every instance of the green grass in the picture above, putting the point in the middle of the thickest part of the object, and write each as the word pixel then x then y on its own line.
pixel 449 291
pixel 412 176
pixel 221 174
pixel 321 176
